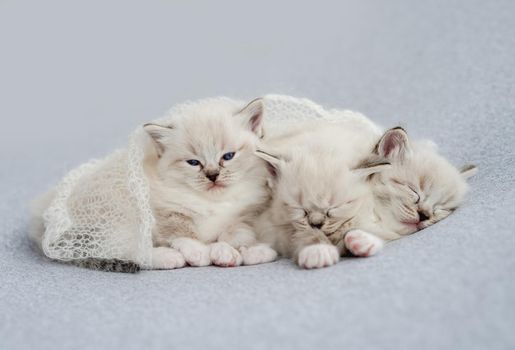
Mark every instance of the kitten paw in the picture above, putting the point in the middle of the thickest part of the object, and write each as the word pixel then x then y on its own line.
pixel 318 255
pixel 164 258
pixel 257 254
pixel 194 252
pixel 222 254
pixel 361 243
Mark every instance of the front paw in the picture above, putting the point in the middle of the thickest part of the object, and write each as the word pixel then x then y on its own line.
pixel 223 254
pixel 164 258
pixel 361 243
pixel 318 255
pixel 195 252
pixel 257 254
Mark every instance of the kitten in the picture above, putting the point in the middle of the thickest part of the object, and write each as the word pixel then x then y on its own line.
pixel 316 199
pixel 207 186
pixel 419 189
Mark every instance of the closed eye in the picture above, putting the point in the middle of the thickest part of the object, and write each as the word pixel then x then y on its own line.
pixel 298 209
pixel 416 193
pixel 398 182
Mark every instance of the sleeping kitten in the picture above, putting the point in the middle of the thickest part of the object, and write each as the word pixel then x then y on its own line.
pixel 316 200
pixel 419 189
pixel 207 186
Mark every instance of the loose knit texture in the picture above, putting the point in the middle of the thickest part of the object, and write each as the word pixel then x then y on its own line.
pixel 102 208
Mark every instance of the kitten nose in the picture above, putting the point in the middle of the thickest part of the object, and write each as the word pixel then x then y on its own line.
pixel 316 220
pixel 317 226
pixel 212 175
pixel 422 216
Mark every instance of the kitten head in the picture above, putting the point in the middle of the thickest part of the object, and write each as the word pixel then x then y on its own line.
pixel 420 188
pixel 314 188
pixel 210 147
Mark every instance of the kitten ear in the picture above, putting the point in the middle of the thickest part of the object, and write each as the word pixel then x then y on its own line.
pixel 252 116
pixel 468 171
pixel 371 166
pixel 157 133
pixel 393 145
pixel 273 162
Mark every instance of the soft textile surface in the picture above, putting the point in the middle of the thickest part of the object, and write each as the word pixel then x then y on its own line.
pixel 76 78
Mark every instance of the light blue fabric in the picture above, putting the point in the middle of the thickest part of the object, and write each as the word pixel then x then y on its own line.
pixel 76 78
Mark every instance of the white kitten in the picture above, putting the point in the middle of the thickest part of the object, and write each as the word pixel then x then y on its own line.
pixel 419 189
pixel 206 187
pixel 316 197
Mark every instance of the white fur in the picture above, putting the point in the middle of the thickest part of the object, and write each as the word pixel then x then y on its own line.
pixel 164 258
pixel 331 155
pixel 317 197
pixel 190 211
pixel 223 254
pixel 257 254
pixel 361 243
pixel 419 182
pixel 318 255
pixel 194 252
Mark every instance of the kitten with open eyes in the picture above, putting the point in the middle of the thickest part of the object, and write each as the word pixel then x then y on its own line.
pixel 206 187
pixel 317 198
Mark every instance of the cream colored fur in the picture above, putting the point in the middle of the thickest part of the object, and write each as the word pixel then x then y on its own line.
pixel 317 199
pixel 208 222
pixel 316 160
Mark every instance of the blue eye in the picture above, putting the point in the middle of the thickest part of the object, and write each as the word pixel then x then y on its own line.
pixel 193 162
pixel 228 156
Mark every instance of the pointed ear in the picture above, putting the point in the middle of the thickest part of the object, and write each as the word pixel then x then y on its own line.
pixel 157 133
pixel 252 116
pixel 468 171
pixel 393 145
pixel 370 167
pixel 273 162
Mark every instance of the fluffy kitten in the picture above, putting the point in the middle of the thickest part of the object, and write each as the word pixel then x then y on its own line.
pixel 316 201
pixel 206 187
pixel 419 189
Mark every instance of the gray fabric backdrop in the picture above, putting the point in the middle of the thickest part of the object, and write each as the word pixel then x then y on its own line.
pixel 75 78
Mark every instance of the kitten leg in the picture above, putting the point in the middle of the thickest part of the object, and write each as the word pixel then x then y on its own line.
pixel 361 243
pixel 195 252
pixel 223 254
pixel 314 250
pixel 164 258
pixel 243 238
pixel 319 255
pixel 258 254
